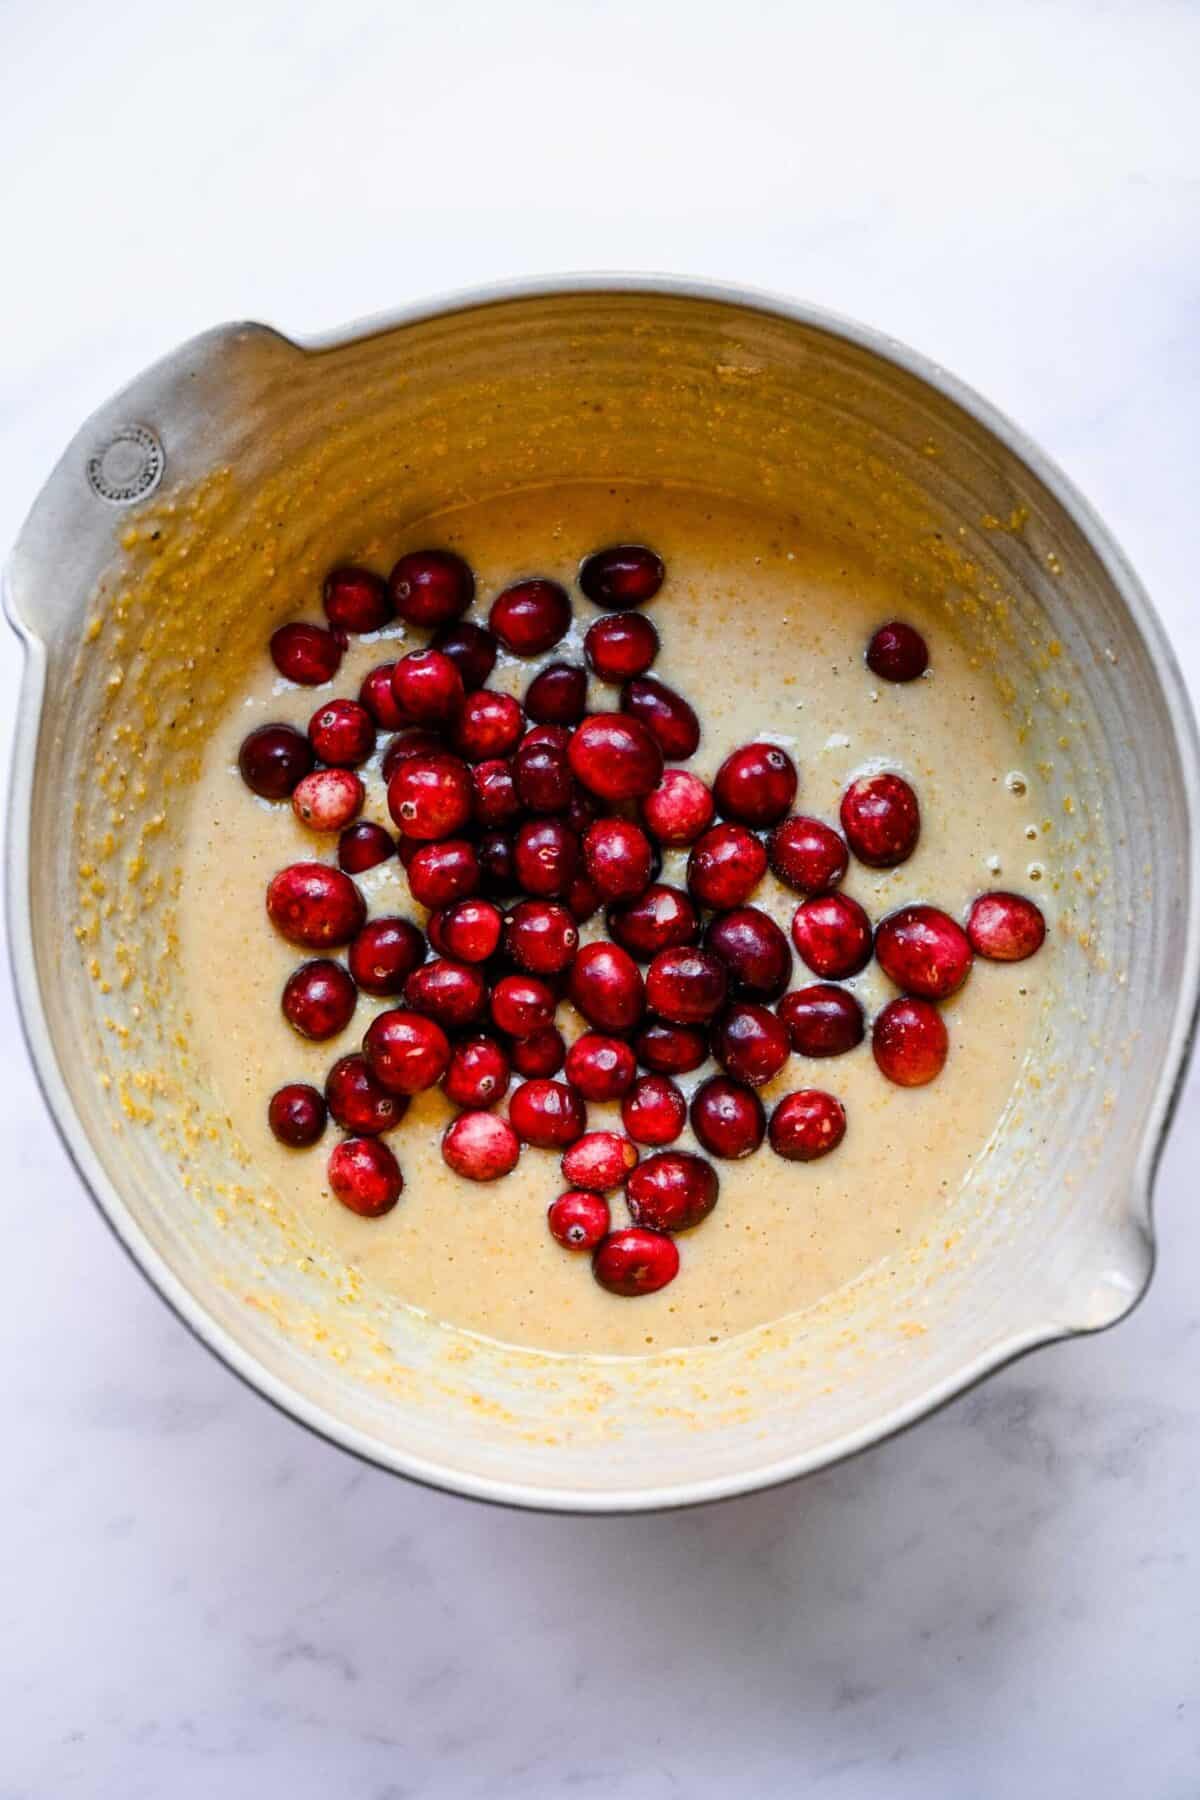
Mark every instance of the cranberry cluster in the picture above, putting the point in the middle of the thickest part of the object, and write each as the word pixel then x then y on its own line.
pixel 516 824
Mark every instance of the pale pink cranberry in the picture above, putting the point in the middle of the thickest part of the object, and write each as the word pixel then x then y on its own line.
pixel 1005 927
pixel 600 1067
pixel 654 1110
pixel 379 697
pixel 622 576
pixel 365 1176
pixel 547 1114
pixel 672 1191
pixel 522 1004
pixel 897 652
pixel 342 733
pixel 541 936
pixel 606 985
pixel 578 1220
pixel 453 993
pixel 615 757
pixel 488 725
pixel 666 715
pixel 557 695
pixel 428 687
pixel 599 1160
pixel 621 646
pixel 924 951
pixel 833 935
pixel 581 898
pixel 440 874
pixel 471 648
pixel 750 1043
pixel 531 617
pixel 273 759
pixel 881 819
pixel 497 863
pixel 315 906
pixel 808 855
pixel 306 654
pixel 429 797
pixel 358 1102
pixel 756 785
pixel 679 809
pixel 546 857
pixel 725 867
pixel 407 1051
pixel 806 1125
pixel 327 799
pixel 494 798
pixel 542 770
pixel 662 918
pixel 431 587
pixel 753 949
pixel 318 999
pixel 477 1074
pixel 686 986
pixel 416 742
pixel 541 1053
pixel 356 599
pixel 635 1262
pixel 617 857
pixel 384 955
pixel 909 1042
pixel 671 1049
pixel 363 846
pixel 822 1020
pixel 480 1147
pixel 727 1118
pixel 469 930
pixel 296 1115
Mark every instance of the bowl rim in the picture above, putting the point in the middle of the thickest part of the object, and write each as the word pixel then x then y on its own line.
pixel 1137 1206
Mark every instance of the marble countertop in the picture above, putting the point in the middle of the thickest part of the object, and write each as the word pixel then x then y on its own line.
pixel 199 1598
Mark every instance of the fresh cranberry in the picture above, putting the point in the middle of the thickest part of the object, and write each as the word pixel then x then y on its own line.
pixel 558 695
pixel 497 863
pixel 756 785
pixel 822 1020
pixel 453 993
pixel 440 874
pixel 881 819
pixel 806 1125
pixel 318 999
pixel 306 654
pixel 606 985
pixel 431 587
pixel 615 757
pixel 379 697
pixel 407 1051
pixel 599 1067
pixel 672 1191
pixel 428 687
pixel 617 856
pixel 750 1043
pixel 296 1115
pixel 924 951
pixel 327 799
pixel 531 617
pixel 654 1110
pixel 727 1118
pixel 635 1262
pixel 581 810
pixel 356 599
pixel 477 1073
pixel 541 936
pixel 671 1049
pixel 472 649
pixel 384 955
pixel 315 906
pixel 546 857
pixel 625 575
pixel 416 742
pixel 542 771
pixel 342 733
pixel 365 1176
pixel 909 1042
pixel 686 986
pixel 1005 927
pixel 897 652
pixel 753 949
pixel 541 1053
pixel 833 935
pixel 725 867
pixel 808 855
pixel 469 931
pixel 494 799
pixel 662 918
pixel 358 1102
pixel 480 1146
pixel 364 846
pixel 599 1160
pixel 666 715
pixel 581 898
pixel 679 809
pixel 429 797
pixel 621 646
pixel 273 759
pixel 578 1220
pixel 489 725
pixel 522 1004
pixel 547 1114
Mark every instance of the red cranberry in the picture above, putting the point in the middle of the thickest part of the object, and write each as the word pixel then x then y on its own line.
pixel 663 918
pixel 489 725
pixel 545 857
pixel 541 1053
pixel 599 1067
pixel 358 1102
pixel 623 576
pixel 806 1125
pixel 621 646
pixel 756 784
pixel 1005 927
pixel 453 993
pixel 909 1042
pixel 617 856
pixel 469 931
pixel 365 1176
pixel 296 1115
pixel 273 759
pixel 671 1049
pixel 753 949
pixel 578 1220
pixel 654 1110
pixel 522 1004
pixel 750 1043
pixel 364 846
pixel 725 867
pixel 686 986
pixel 342 733
pixel 327 799
pixel 808 855
pixel 384 955
pixel 318 999
pixel 924 951
pixel 897 652
pixel 672 1191
pixel 666 715
pixel 440 874
pixel 581 811
pixel 497 863
pixel 531 617
pixel 356 599
pixel 494 798
pixel 822 1020
pixel 379 697
pixel 582 899
pixel 679 808
pixel 634 1262
pixel 833 935
pixel 315 906
pixel 542 771
pixel 558 695
pixel 606 986
pixel 430 796
pixel 615 757
pixel 480 1146
pixel 599 1160
pixel 477 1073
pixel 428 687
pixel 472 649
pixel 306 654
pixel 727 1118
pixel 541 936
pixel 881 819
pixel 547 1114
pixel 409 743
pixel 407 1051
pixel 431 587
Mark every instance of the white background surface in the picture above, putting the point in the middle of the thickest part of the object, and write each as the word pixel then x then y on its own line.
pixel 197 1599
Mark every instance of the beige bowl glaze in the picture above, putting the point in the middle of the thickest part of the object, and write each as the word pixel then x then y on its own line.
pixel 133 606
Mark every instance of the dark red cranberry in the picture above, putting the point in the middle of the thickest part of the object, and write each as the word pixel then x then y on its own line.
pixel 909 1042
pixel 273 759
pixel 546 857
pixel 342 733
pixel 622 576
pixel 358 1102
pixel 663 918
pixel 679 809
pixel 480 1146
pixel 635 1262
pixel 356 599
pixel 666 715
pixel 753 949
pixel 822 1020
pixel 428 687
pixel 494 798
pixel 833 935
pixel 807 1124
pixel 617 856
pixel 522 1004
pixel 599 1067
pixel 581 898
pixel 727 1118
pixel 881 819
pixel 578 1220
pixel 557 695
pixel 306 654
pixel 497 864
pixel 489 725
pixel 296 1115
pixel 327 799
pixel 469 931
pixel 582 810
pixel 808 855
pixel 547 1114
pixel 1005 927
pixel 477 1073
pixel 924 951
pixel 725 867
pixel 897 652
pixel 531 617
pixel 672 1191
pixel 416 742
pixel 431 587
pixel 654 1110
pixel 365 1176
pixel 615 757
pixel 756 785
pixel 407 1051
pixel 542 771
pixel 606 985
pixel 472 648
pixel 671 1049
pixel 364 846
pixel 318 999
pixel 453 993
pixel 429 797
pixel 541 936
pixel 541 1053
pixel 686 986
pixel 440 874
pixel 750 1043
pixel 599 1160
pixel 315 906
pixel 379 697
pixel 384 955
pixel 621 646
